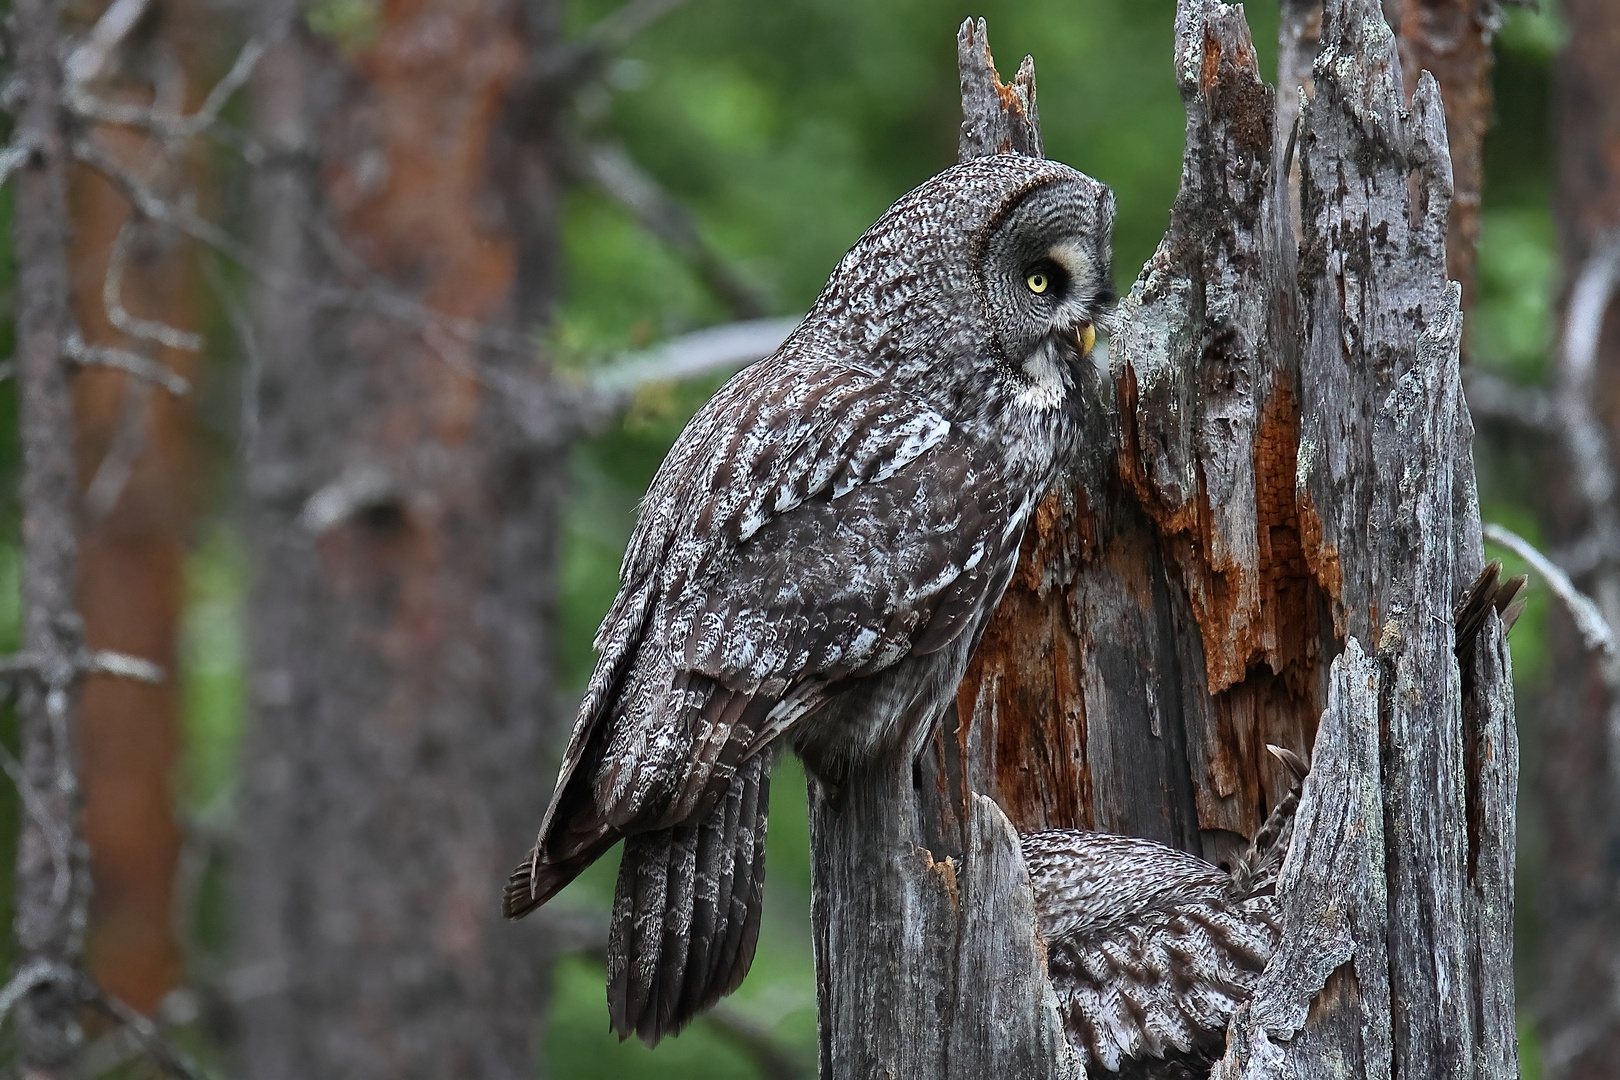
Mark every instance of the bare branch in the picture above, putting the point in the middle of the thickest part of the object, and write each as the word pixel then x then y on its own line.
pixel 718 348
pixel 755 1041
pixel 616 30
pixel 112 299
pixel 33 975
pixel 577 65
pixel 358 487
pixel 611 169
pixel 1495 398
pixel 107 662
pixel 128 441
pixel 166 125
pixel 125 361
pixel 1591 461
pixel 168 1057
pixel 56 833
pixel 15 156
pixel 1594 629
pixel 90 58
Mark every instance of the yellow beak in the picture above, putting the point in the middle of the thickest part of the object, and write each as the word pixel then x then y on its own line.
pixel 1085 337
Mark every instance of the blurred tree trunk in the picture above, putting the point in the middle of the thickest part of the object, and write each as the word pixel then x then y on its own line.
pixel 1280 470
pixel 52 887
pixel 1576 979
pixel 403 473
pixel 136 471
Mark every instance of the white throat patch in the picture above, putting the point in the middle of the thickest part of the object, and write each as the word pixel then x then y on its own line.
pixel 1046 388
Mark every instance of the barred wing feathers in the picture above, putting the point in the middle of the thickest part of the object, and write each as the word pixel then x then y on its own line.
pixel 806 531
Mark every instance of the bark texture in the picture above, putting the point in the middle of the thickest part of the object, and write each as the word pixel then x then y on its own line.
pixel 1451 40
pixel 1281 472
pixel 52 888
pixel 403 471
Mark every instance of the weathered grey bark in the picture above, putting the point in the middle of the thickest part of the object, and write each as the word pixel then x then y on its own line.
pixel 403 486
pixel 1451 39
pixel 52 885
pixel 1283 471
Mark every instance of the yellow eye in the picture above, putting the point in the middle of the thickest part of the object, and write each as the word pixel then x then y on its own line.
pixel 1038 282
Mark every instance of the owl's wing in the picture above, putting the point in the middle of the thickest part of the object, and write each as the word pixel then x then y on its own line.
pixel 1150 950
pixel 813 524
pixel 885 539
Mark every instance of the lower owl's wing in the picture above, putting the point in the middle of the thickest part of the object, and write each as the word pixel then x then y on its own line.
pixel 1150 950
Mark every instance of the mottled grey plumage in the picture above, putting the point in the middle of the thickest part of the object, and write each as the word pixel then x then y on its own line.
pixel 1151 949
pixel 816 559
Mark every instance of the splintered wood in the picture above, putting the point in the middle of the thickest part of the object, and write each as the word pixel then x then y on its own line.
pixel 1273 520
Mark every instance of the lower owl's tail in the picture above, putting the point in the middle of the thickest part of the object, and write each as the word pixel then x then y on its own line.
pixel 686 911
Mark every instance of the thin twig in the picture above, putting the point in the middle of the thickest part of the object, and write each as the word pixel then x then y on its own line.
pixel 717 348
pixel 112 289
pixel 169 126
pixel 170 1058
pixel 1589 621
pixel 128 441
pixel 125 361
pixel 252 365
pixel 53 830
pixel 90 58
pixel 125 666
pixel 615 31
pixel 15 156
pixel 577 65
pixel 1585 441
pixel 612 170
pixel 1495 398
pixel 755 1041
pixel 28 978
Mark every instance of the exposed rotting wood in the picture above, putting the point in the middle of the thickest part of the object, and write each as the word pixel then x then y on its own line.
pixel 1183 536
pixel 1280 469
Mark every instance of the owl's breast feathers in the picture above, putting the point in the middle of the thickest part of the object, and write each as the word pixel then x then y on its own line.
pixel 815 524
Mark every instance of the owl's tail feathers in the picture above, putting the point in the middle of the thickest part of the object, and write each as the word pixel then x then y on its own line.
pixel 1257 870
pixel 558 857
pixel 686 912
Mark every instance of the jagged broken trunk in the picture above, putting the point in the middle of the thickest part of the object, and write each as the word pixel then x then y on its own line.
pixel 1264 545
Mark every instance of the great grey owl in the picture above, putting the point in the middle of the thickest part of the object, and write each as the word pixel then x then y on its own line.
pixel 816 559
pixel 1150 950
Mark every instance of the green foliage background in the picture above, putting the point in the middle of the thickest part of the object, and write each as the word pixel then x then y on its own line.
pixel 787 126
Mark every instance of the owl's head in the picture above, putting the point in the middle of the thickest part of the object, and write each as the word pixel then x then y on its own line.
pixel 986 279
pixel 1045 275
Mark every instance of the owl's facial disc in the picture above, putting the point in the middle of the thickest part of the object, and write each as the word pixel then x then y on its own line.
pixel 1046 278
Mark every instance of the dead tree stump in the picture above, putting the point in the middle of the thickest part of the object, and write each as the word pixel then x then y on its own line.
pixel 1273 524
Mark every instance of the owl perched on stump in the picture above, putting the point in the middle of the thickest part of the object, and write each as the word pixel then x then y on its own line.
pixel 817 557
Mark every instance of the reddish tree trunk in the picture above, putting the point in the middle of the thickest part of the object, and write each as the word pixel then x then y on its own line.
pixel 135 457
pixel 404 483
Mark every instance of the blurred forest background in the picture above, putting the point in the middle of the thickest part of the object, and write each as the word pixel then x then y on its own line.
pixel 706 167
